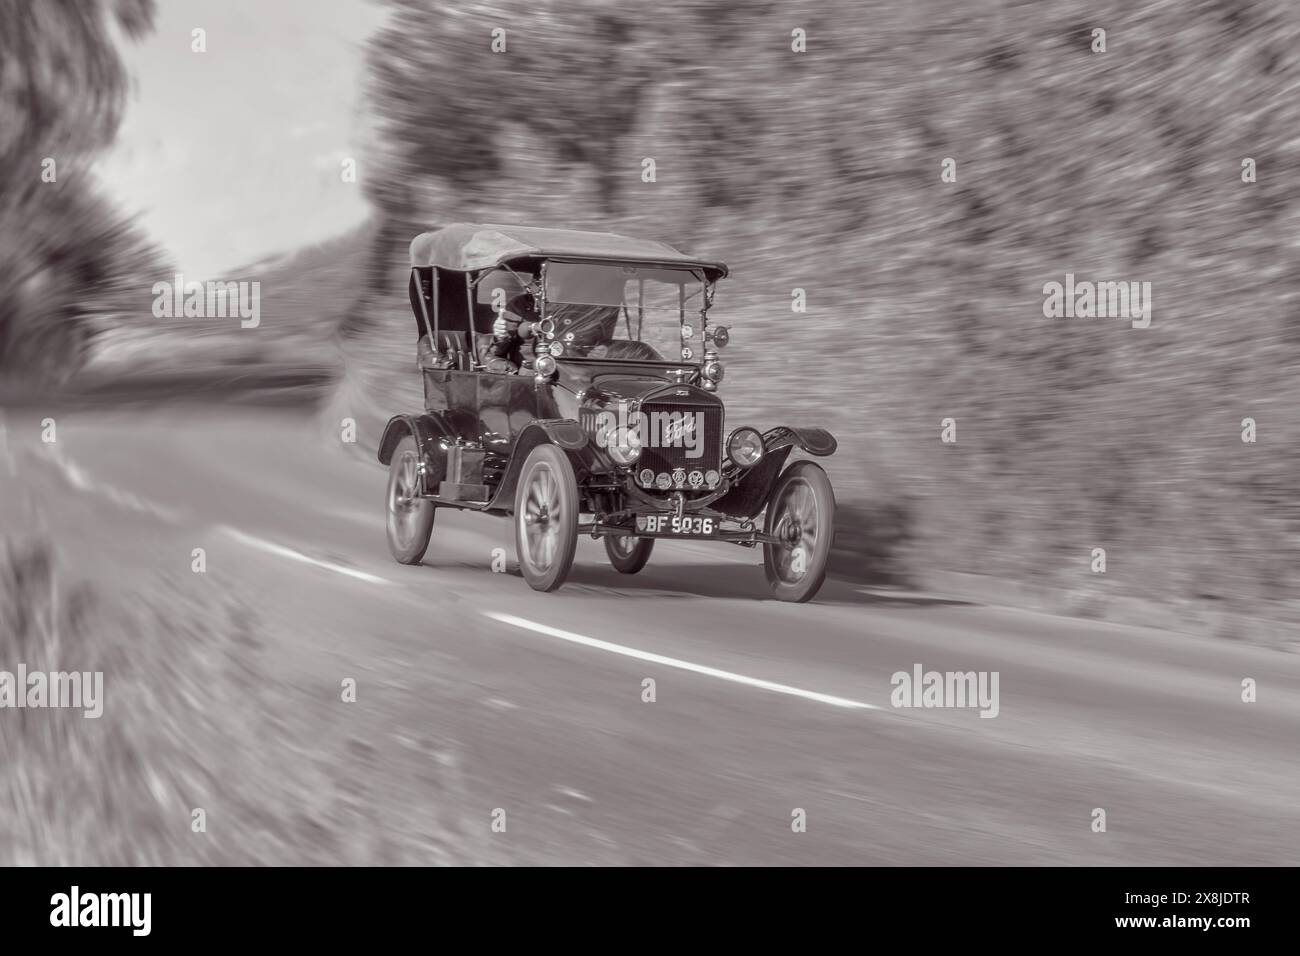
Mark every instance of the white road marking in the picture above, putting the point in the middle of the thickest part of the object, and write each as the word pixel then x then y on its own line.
pixel 4 449
pixel 270 547
pixel 676 662
pixel 83 482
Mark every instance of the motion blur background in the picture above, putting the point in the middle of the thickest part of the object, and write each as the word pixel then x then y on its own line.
pixel 817 170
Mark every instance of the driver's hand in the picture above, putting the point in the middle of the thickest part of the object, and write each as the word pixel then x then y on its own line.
pixel 500 327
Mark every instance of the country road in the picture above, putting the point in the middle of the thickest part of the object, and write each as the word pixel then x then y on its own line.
pixel 761 708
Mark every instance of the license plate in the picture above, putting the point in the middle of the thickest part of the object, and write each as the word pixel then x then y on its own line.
pixel 687 526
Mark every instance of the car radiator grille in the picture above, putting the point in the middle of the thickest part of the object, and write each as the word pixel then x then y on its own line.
pixel 669 465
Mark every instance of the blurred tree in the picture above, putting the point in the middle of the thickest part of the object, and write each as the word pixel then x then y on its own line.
pixel 64 252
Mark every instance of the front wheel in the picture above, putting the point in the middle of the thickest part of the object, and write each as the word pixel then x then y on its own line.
pixel 801 513
pixel 410 517
pixel 546 518
pixel 628 554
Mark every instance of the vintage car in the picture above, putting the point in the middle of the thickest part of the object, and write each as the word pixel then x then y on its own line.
pixel 611 425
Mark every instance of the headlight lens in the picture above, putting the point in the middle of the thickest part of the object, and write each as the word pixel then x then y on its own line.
pixel 544 366
pixel 745 447
pixel 712 371
pixel 626 446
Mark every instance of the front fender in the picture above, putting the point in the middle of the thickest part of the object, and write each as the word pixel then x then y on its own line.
pixel 565 434
pixel 749 493
pixel 815 441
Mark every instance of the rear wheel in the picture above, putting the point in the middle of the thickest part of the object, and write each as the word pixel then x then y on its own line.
pixel 410 517
pixel 546 518
pixel 628 554
pixel 801 512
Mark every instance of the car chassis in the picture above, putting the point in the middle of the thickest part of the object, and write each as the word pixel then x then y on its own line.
pixel 566 444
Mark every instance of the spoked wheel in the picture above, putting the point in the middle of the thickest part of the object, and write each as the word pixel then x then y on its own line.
pixel 410 517
pixel 628 554
pixel 546 518
pixel 801 512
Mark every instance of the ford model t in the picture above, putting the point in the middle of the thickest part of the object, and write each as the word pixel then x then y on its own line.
pixel 571 382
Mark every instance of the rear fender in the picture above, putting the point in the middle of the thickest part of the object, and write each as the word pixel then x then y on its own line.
pixel 428 430
pixel 431 434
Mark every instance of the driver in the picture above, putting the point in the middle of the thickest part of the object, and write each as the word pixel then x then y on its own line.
pixel 514 325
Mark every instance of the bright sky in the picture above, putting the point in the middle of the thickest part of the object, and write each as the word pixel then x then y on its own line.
pixel 233 154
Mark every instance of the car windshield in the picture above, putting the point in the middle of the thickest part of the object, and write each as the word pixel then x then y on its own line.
pixel 621 311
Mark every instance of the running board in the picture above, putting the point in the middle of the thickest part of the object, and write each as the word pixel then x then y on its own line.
pixel 464 494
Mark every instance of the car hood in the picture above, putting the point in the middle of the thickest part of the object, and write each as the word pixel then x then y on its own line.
pixel 615 380
pixel 608 390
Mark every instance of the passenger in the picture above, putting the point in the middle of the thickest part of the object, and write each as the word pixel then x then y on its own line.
pixel 585 331
pixel 425 354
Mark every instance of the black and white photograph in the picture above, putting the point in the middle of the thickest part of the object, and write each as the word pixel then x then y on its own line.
pixel 690 434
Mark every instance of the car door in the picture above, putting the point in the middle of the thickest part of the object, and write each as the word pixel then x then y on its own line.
pixel 506 404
